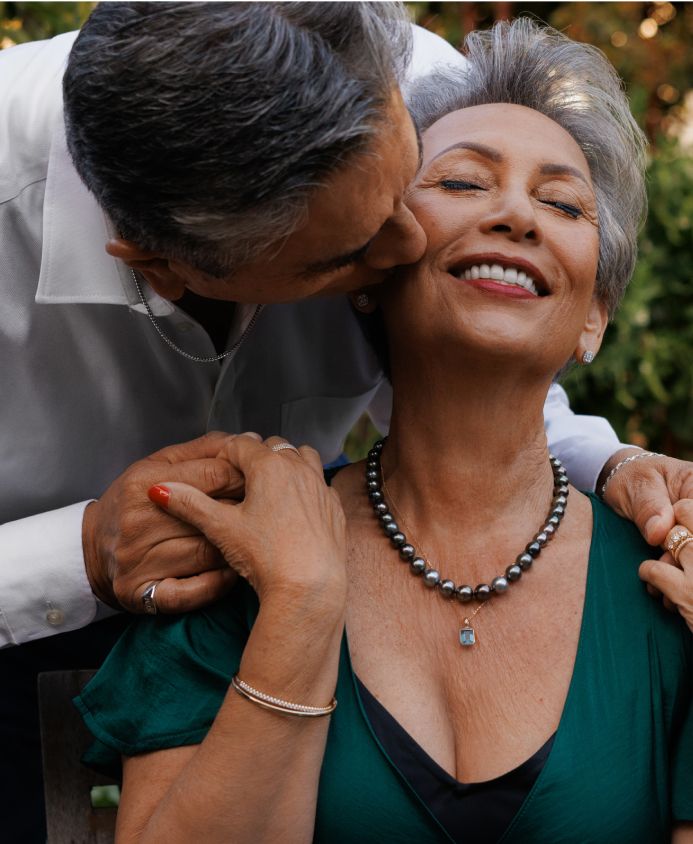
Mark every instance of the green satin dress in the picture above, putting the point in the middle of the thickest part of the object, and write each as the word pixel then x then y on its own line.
pixel 620 770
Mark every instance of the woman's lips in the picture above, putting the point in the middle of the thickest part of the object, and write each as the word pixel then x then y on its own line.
pixel 500 289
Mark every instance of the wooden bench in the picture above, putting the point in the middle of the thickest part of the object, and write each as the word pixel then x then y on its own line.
pixel 70 816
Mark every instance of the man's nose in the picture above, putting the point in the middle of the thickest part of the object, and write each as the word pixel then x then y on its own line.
pixel 401 240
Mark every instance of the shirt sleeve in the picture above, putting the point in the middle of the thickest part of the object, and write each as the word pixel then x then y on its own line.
pixel 583 443
pixel 163 683
pixel 430 51
pixel 44 587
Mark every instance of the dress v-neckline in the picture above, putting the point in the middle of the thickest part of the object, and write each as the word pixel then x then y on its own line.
pixel 583 647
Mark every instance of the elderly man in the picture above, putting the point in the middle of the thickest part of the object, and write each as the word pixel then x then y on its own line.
pixel 171 266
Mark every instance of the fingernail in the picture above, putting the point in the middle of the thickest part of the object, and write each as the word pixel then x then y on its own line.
pixel 159 495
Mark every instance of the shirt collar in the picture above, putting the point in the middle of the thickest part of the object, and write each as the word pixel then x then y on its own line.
pixel 75 267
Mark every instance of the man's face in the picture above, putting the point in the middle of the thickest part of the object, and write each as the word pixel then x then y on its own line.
pixel 357 228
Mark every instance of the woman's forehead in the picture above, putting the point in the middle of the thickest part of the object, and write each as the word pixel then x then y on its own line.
pixel 507 129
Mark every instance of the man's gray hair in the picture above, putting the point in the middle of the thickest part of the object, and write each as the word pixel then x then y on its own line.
pixel 202 128
pixel 574 85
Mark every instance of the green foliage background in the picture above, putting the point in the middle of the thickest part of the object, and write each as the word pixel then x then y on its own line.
pixel 642 380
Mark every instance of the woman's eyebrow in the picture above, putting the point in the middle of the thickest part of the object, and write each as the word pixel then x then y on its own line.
pixel 562 170
pixel 482 149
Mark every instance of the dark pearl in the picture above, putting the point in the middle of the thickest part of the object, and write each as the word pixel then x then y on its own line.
pixel 372 474
pixel 375 496
pixel 398 539
pixel 554 461
pixel 378 446
pixel 418 564
pixel 499 584
pixel 386 518
pixel 380 508
pixel 373 454
pixel 533 549
pixel 541 538
pixel 431 578
pixel 558 510
pixel 513 572
pixel 549 530
pixel 372 484
pixel 559 500
pixel 406 552
pixel 464 594
pixel 524 561
pixel 482 592
pixel 372 465
pixel 563 489
pixel 447 588
pixel 391 527
pixel 554 522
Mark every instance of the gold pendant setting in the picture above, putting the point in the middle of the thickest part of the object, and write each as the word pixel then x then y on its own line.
pixel 467 635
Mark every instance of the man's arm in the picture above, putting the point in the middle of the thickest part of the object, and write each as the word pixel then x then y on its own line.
pixel 55 565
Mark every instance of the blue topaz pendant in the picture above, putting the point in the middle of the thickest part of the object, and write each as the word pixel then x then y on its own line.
pixel 467 634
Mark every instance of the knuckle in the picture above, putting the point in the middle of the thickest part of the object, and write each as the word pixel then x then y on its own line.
pixel 683 511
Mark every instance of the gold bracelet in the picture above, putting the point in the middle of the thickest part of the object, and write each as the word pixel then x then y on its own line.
pixel 276 704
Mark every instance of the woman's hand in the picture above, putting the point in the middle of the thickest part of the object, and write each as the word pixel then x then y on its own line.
pixel 287 535
pixel 671 578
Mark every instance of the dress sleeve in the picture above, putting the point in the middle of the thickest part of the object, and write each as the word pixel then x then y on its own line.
pixel 163 683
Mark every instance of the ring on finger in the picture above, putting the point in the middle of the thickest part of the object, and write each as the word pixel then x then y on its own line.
pixel 677 537
pixel 679 548
pixel 148 599
pixel 283 446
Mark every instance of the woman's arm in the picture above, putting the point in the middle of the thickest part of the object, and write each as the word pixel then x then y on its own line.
pixel 682 834
pixel 256 773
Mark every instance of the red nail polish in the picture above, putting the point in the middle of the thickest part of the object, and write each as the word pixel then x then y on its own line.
pixel 159 495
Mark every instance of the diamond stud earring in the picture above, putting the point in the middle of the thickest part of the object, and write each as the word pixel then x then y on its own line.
pixel 362 300
pixel 587 357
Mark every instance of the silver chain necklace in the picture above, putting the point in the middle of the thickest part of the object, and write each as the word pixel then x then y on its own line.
pixel 171 344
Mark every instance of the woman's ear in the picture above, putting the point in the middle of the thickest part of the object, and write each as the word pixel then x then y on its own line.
pixel 592 333
pixel 157 270
pixel 364 300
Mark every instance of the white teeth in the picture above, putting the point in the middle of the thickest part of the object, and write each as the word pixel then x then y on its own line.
pixel 510 276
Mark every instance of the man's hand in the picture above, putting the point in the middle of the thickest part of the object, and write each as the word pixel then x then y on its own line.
pixel 671 579
pixel 656 493
pixel 130 543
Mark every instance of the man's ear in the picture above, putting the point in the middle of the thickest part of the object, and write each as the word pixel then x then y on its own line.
pixel 157 270
pixel 593 331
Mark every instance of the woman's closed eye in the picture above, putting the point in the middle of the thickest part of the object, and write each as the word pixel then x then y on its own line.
pixel 459 184
pixel 572 210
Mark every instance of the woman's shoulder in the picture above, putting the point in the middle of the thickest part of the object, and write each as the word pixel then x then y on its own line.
pixel 617 550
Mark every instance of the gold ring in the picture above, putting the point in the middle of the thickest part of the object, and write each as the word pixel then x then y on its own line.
pixel 677 537
pixel 679 548
pixel 283 446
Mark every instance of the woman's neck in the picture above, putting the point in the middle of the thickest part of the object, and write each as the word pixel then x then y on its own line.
pixel 468 459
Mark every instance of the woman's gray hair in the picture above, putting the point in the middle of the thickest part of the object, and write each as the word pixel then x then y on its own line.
pixel 203 128
pixel 574 85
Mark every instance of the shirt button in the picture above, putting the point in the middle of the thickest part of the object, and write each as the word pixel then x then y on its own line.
pixel 55 617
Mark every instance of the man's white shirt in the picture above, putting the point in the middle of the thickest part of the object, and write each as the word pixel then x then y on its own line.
pixel 87 387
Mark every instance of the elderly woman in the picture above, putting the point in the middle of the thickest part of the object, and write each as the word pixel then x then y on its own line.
pixel 500 670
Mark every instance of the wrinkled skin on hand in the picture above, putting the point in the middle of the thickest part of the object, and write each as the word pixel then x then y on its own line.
pixel 656 493
pixel 130 543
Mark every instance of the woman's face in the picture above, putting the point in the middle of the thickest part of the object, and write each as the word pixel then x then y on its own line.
pixel 505 197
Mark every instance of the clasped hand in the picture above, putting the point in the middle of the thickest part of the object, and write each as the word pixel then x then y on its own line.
pixel 234 506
